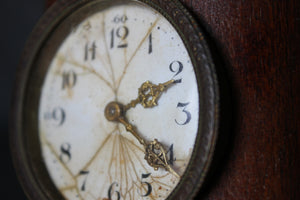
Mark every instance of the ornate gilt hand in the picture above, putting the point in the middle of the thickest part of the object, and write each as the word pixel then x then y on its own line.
pixel 155 154
pixel 148 94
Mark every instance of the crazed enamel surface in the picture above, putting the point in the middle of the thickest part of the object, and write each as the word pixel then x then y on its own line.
pixel 107 58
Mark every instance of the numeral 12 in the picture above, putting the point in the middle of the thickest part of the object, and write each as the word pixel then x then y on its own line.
pixel 121 33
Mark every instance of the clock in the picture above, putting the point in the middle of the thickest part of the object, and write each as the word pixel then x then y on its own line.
pixel 115 100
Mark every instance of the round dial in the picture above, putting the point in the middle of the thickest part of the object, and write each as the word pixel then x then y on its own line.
pixel 109 57
pixel 119 101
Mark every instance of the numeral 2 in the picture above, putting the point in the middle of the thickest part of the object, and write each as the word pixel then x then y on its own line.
pixel 176 67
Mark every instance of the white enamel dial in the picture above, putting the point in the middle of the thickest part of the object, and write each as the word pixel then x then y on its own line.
pixel 106 58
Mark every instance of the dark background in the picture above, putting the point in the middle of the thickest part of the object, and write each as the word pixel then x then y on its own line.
pixel 18 18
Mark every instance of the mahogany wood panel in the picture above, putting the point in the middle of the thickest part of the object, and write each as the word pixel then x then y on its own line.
pixel 49 3
pixel 256 43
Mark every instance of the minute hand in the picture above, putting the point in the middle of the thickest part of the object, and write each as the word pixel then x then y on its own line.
pixel 149 93
pixel 155 154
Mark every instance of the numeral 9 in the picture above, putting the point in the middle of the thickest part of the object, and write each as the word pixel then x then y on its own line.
pixel 58 115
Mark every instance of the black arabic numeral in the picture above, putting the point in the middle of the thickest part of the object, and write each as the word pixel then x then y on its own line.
pixel 149 187
pixel 120 19
pixel 65 155
pixel 86 173
pixel 90 49
pixel 171 155
pixel 150 44
pixel 188 114
pixel 112 40
pixel 121 33
pixel 57 114
pixel 176 67
pixel 69 79
pixel 112 191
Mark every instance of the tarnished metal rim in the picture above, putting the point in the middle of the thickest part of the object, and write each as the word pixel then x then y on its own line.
pixel 208 90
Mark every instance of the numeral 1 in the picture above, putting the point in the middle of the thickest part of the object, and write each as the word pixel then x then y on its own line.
pixel 150 44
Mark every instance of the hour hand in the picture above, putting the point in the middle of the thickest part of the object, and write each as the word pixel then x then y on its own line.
pixel 149 93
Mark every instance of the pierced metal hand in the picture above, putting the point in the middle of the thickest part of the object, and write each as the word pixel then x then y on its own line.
pixel 148 94
pixel 155 154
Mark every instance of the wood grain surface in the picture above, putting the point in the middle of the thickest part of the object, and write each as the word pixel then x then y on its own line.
pixel 49 3
pixel 256 43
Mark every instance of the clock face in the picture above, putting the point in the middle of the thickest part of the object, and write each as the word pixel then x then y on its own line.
pixel 115 100
pixel 108 57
